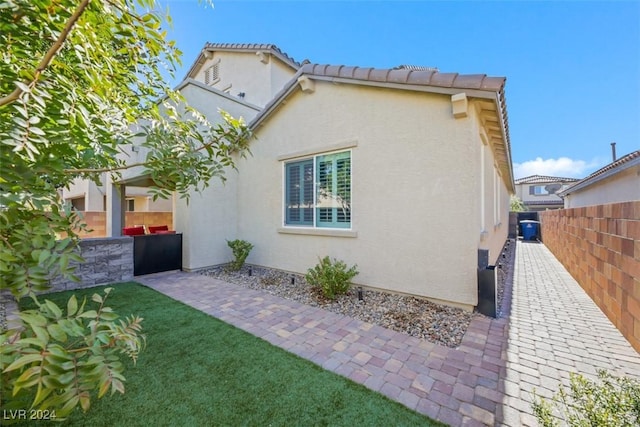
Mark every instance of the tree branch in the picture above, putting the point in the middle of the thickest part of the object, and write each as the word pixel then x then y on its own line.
pixel 133 165
pixel 51 53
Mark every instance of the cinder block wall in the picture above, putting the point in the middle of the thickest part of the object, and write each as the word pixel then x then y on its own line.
pixel 107 260
pixel 97 221
pixel 600 247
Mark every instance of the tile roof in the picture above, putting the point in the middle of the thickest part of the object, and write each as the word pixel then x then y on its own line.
pixel 252 47
pixel 242 47
pixel 415 67
pixel 480 86
pixel 535 179
pixel 612 168
pixel 420 77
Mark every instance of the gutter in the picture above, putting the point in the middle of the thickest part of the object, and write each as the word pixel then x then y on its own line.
pixel 591 180
pixel 505 138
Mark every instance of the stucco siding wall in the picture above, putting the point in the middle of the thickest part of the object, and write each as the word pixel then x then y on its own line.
pixel 208 104
pixel 210 217
pixel 206 223
pixel 205 102
pixel 622 187
pixel 91 192
pixel 491 196
pixel 525 196
pixel 78 188
pixel 414 169
pixel 95 197
pixel 243 72
pixel 280 75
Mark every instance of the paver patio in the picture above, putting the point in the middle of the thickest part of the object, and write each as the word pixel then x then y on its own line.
pixel 552 328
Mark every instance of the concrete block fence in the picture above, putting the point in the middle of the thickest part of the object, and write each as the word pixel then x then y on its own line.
pixel 600 247
pixel 108 260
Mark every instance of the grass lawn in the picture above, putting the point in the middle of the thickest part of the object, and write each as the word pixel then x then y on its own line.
pixel 199 371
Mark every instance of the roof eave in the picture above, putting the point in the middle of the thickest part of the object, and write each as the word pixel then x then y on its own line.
pixel 590 180
pixel 272 49
pixel 200 60
pixel 487 94
pixel 501 112
pixel 291 86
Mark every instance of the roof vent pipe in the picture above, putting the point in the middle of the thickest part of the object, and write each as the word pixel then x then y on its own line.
pixel 613 151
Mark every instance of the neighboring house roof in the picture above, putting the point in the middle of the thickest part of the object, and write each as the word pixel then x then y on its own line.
pixel 480 86
pixel 623 163
pixel 415 68
pixel 540 179
pixel 241 47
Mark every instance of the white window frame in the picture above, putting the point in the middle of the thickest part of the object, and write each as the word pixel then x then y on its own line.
pixel 314 222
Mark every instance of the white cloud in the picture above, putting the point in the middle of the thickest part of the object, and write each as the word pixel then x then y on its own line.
pixel 562 167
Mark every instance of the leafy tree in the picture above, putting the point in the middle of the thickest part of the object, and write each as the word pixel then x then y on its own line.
pixel 516 205
pixel 80 81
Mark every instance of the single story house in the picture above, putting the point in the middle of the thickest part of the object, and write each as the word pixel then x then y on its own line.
pixel 405 172
pixel 619 181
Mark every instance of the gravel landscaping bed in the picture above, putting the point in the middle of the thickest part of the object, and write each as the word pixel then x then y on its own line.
pixel 414 316
pixel 417 317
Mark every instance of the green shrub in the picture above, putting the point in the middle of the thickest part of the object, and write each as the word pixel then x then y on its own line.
pixel 609 401
pixel 331 277
pixel 241 249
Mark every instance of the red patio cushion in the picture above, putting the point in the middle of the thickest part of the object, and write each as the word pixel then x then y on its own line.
pixel 153 229
pixel 133 231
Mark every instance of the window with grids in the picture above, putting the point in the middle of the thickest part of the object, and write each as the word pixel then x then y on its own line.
pixel 318 191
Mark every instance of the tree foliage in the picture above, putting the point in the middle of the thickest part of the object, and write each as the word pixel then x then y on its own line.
pixel 80 81
pixel 67 356
pixel 516 205
pixel 609 401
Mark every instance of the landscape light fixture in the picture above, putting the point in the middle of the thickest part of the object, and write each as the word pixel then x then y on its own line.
pixel 360 296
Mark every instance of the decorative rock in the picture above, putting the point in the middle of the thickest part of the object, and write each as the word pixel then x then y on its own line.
pixel 417 317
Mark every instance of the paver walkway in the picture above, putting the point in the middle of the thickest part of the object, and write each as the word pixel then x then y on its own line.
pixel 553 328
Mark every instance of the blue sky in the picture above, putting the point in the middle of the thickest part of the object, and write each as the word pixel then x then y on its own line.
pixel 572 68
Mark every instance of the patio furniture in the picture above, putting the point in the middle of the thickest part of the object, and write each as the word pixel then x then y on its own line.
pixel 153 229
pixel 133 231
